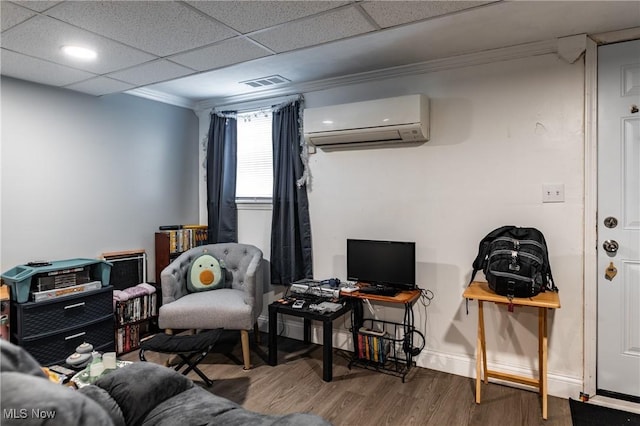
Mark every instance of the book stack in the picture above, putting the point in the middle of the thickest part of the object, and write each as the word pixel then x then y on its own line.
pixel 372 345
pixel 184 237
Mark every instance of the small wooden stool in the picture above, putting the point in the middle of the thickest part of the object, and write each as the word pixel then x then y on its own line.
pixel 191 349
pixel 481 292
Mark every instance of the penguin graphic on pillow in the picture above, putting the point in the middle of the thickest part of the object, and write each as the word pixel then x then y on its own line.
pixel 205 273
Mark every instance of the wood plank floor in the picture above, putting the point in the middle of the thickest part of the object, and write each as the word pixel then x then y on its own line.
pixel 363 397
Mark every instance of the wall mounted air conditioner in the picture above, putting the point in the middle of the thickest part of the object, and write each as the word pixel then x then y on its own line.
pixel 390 121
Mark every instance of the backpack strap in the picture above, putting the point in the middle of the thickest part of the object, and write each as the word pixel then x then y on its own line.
pixel 483 249
pixel 550 283
pixel 483 252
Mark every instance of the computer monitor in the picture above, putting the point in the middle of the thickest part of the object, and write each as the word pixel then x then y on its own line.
pixel 386 263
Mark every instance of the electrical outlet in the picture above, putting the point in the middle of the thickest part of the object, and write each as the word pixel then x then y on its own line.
pixel 553 193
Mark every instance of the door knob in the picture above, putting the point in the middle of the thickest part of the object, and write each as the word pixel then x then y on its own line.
pixel 610 246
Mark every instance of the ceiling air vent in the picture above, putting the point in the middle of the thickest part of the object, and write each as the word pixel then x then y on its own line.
pixel 266 81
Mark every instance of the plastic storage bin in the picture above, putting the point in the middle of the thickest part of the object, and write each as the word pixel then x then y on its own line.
pixel 20 277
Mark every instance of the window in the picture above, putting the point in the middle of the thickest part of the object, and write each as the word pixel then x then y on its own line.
pixel 254 181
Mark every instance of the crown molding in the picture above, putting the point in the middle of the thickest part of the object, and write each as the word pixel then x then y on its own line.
pixel 162 97
pixel 616 36
pixel 460 61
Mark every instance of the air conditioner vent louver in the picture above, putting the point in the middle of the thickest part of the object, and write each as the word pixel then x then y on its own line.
pixel 266 81
pixel 398 120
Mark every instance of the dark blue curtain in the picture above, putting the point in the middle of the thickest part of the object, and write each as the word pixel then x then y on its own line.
pixel 221 180
pixel 291 252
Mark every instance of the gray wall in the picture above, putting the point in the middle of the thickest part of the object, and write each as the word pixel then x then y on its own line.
pixel 83 175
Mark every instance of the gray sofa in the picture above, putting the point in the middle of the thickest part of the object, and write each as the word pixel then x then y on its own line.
pixel 138 394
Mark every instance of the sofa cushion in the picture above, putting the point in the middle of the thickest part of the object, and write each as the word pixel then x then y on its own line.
pixel 105 400
pixel 14 358
pixel 31 400
pixel 205 273
pixel 139 387
pixel 199 407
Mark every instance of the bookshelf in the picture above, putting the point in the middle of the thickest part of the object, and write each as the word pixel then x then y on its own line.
pixel 135 319
pixel 171 241
pixel 136 302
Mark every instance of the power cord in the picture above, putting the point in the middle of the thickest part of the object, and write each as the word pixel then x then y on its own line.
pixel 426 296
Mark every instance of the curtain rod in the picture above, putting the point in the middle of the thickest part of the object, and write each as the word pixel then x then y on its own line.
pixel 251 106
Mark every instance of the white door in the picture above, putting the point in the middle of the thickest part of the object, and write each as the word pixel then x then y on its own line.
pixel 618 362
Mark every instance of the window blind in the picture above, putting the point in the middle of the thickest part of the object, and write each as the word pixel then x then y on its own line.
pixel 255 157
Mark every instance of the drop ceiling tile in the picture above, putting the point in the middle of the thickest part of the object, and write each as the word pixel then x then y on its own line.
pixel 38 6
pixel 151 72
pixel 12 15
pixel 391 13
pixel 43 37
pixel 158 27
pixel 32 69
pixel 221 54
pixel 247 16
pixel 100 86
pixel 315 30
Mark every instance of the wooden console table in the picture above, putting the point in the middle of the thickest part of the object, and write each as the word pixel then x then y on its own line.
pixel 396 365
pixel 547 300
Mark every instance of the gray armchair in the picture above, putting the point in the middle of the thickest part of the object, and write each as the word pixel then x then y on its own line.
pixel 234 308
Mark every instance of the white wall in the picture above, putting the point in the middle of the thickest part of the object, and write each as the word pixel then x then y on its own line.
pixel 498 133
pixel 83 175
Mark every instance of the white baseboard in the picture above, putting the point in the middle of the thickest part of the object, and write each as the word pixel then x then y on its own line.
pixel 293 328
pixel 559 385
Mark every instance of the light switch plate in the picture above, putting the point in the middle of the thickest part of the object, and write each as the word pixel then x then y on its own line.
pixel 553 193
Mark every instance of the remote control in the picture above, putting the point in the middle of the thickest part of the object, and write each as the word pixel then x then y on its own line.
pixel 62 370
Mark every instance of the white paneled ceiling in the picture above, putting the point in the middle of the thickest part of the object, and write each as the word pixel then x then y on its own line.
pixel 195 52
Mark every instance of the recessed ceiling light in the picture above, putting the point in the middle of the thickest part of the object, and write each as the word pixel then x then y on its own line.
pixel 79 52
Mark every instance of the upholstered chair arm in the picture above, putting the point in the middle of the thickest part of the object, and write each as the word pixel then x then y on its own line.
pixel 243 263
pixel 173 278
pixel 254 285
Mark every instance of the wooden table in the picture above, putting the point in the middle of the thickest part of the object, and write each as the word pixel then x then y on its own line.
pixel 547 300
pixel 4 311
pixel 401 366
pixel 4 293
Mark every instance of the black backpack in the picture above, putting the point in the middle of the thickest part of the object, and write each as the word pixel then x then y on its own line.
pixel 515 262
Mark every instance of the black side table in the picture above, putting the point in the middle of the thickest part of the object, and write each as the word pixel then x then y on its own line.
pixel 327 331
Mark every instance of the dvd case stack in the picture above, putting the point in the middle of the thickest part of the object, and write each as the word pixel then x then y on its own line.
pixel 139 308
pixel 131 324
pixel 184 237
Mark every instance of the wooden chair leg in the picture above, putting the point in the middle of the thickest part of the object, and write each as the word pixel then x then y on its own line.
pixel 244 337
